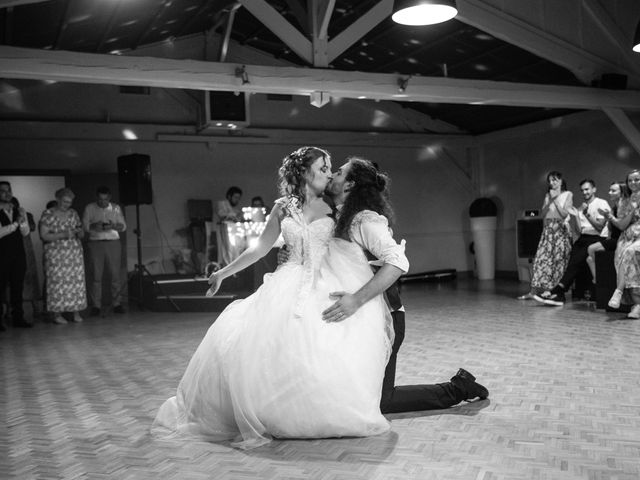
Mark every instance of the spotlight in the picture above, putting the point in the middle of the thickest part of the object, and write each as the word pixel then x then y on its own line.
pixel 424 12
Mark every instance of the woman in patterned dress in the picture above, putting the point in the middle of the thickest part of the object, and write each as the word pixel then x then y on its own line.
pixel 61 231
pixel 554 247
pixel 626 259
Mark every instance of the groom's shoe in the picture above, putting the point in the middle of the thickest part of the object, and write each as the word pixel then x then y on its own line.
pixel 466 384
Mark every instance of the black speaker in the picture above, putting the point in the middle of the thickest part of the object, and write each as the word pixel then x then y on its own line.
pixel 134 179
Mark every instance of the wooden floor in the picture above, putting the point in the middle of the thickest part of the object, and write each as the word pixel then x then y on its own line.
pixel 77 400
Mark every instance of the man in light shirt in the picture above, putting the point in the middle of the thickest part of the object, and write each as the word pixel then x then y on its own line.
pixel 592 225
pixel 103 221
pixel 359 193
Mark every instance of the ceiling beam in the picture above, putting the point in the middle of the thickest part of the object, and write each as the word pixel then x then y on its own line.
pixel 279 25
pixel 358 29
pixel 626 127
pixel 585 65
pixel 198 75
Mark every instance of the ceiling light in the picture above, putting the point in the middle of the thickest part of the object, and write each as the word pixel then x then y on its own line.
pixel 636 39
pixel 424 12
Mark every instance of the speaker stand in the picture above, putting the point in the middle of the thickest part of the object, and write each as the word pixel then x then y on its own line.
pixel 140 269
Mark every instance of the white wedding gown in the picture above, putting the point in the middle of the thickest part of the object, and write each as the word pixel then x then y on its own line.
pixel 270 367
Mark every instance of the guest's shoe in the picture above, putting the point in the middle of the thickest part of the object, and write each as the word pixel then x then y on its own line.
pixel 119 309
pixel 94 312
pixel 3 327
pixel 526 296
pixel 76 318
pixel 542 297
pixel 555 299
pixel 467 385
pixel 635 312
pixel 59 320
pixel 614 302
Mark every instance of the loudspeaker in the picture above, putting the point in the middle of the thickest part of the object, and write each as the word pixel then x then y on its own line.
pixel 613 81
pixel 134 179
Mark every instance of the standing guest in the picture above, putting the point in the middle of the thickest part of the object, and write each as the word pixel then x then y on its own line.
pixel 31 289
pixel 103 221
pixel 591 221
pixel 61 231
pixel 228 212
pixel 618 193
pixel 626 258
pixel 554 247
pixel 13 264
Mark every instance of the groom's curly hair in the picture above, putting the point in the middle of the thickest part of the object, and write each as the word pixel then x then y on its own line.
pixel 294 166
pixel 369 192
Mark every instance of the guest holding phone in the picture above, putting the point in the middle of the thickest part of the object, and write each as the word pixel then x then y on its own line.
pixel 61 231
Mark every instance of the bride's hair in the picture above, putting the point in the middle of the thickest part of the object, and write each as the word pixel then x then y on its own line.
pixel 294 166
pixel 369 192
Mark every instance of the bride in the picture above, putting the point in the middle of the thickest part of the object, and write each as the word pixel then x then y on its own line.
pixel 269 366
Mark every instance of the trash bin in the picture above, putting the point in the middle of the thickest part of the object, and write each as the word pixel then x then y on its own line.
pixel 483 215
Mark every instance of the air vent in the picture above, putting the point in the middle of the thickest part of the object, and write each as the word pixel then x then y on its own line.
pixel 133 90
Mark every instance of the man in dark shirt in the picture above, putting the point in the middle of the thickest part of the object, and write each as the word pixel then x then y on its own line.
pixel 13 263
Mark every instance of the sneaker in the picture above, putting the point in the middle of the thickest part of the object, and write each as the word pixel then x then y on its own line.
pixel 59 320
pixel 526 296
pixel 614 302
pixel 542 297
pixel 635 312
pixel 119 309
pixel 555 299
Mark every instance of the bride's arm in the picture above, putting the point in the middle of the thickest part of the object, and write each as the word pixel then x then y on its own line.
pixel 252 254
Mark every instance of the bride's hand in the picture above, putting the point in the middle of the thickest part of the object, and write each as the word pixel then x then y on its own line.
pixel 215 281
pixel 342 309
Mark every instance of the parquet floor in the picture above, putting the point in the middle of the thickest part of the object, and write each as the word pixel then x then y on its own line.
pixel 77 400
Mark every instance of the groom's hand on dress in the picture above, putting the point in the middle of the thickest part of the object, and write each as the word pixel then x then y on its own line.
pixel 342 309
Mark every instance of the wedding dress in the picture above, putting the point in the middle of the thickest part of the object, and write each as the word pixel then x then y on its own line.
pixel 269 366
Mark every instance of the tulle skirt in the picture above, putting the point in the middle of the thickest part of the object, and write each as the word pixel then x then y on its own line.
pixel 271 367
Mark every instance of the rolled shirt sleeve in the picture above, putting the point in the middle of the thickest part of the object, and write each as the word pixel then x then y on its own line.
pixel 371 231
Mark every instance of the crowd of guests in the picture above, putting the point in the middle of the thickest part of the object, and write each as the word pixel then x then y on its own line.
pixel 61 231
pixel 572 235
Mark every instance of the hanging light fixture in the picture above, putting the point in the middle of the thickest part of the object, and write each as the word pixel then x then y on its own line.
pixel 423 12
pixel 636 39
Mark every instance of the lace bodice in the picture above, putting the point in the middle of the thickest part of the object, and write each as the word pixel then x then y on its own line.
pixel 307 241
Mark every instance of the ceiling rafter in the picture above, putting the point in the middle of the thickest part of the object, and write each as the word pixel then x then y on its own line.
pixel 585 65
pixel 279 25
pixel 300 14
pixel 198 75
pixel 612 31
pixel 358 29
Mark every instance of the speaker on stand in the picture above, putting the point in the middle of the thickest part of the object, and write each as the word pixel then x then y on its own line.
pixel 134 179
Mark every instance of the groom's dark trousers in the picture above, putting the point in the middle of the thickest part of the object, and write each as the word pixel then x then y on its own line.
pixel 409 398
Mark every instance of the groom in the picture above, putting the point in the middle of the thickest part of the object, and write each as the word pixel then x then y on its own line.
pixel 358 186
